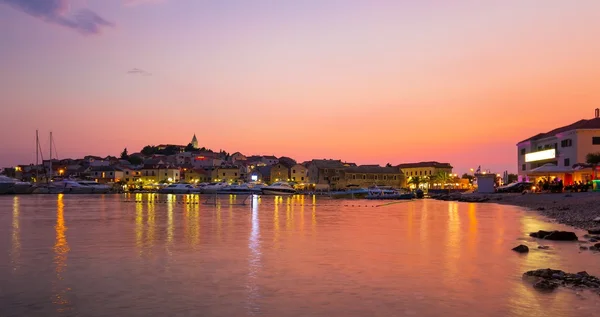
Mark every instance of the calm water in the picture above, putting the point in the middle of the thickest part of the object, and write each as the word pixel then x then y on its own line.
pixel 133 255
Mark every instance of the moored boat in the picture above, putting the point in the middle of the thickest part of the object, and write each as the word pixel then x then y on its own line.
pixel 278 188
pixel 180 188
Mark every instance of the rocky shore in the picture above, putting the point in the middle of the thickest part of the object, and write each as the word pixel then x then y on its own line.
pixel 580 210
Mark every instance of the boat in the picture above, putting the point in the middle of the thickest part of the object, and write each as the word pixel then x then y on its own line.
pixel 14 186
pixel 7 185
pixel 241 189
pixel 213 188
pixel 352 191
pixel 278 188
pixel 180 188
pixel 70 187
pixel 97 187
pixel 379 193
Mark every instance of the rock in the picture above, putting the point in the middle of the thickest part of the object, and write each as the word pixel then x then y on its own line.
pixel 521 248
pixel 597 245
pixel 581 247
pixel 545 285
pixel 597 219
pixel 583 273
pixel 593 240
pixel 540 208
pixel 555 235
pixel 594 231
pixel 543 247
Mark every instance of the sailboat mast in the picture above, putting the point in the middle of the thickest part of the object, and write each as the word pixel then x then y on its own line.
pixel 51 145
pixel 37 154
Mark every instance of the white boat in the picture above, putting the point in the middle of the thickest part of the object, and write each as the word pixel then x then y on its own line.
pixel 241 189
pixel 71 187
pixel 14 186
pixel 97 187
pixel 7 185
pixel 278 188
pixel 213 188
pixel 179 189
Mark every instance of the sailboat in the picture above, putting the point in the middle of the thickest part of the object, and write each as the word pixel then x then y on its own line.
pixel 48 187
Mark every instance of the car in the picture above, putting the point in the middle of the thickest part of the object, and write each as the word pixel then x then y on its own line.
pixel 516 187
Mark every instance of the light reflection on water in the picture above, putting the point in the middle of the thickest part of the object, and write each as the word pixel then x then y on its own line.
pixel 162 255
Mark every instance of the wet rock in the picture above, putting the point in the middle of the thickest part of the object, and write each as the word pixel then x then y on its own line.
pixel 582 247
pixel 545 285
pixel 543 247
pixel 521 248
pixel 583 273
pixel 594 231
pixel 555 235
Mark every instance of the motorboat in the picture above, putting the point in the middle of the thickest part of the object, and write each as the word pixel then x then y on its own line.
pixel 241 189
pixel 7 185
pixel 71 187
pixel 350 192
pixel 97 187
pixel 14 186
pixel 388 194
pixel 180 188
pixel 278 188
pixel 213 188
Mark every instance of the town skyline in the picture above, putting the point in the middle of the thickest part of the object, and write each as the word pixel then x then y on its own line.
pixel 372 83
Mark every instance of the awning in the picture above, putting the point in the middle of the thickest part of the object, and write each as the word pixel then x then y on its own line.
pixel 549 169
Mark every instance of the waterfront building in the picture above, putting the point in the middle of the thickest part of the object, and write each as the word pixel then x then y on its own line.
pixel 299 173
pixel 229 174
pixel 370 175
pixel 157 173
pixel 107 174
pixel 326 173
pixel 564 147
pixel 198 175
pixel 280 172
pixel 236 157
pixel 422 169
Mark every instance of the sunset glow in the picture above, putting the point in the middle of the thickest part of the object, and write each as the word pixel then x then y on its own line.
pixel 372 82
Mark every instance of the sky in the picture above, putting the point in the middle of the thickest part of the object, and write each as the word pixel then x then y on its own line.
pixel 372 82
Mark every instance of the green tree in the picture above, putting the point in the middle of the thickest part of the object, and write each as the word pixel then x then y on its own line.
pixel 443 178
pixel 170 150
pixel 149 150
pixel 512 178
pixel 190 148
pixel 388 165
pixel 594 159
pixel 135 160
pixel 416 180
pixel 124 155
pixel 467 176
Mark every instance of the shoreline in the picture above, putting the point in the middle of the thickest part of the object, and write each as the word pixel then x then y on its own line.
pixel 574 209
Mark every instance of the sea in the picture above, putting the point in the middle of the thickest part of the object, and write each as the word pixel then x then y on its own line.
pixel 192 255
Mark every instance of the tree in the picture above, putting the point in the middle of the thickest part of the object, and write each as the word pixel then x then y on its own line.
pixel 170 150
pixel 594 159
pixel 135 160
pixel 149 150
pixel 190 148
pixel 416 180
pixel 388 165
pixel 124 155
pixel 443 178
pixel 512 178
pixel 467 176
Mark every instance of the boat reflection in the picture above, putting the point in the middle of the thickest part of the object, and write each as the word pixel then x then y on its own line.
pixel 16 235
pixel 254 261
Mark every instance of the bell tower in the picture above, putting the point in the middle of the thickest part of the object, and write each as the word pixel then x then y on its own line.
pixel 194 142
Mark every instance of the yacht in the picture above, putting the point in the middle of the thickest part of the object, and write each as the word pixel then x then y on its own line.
pixel 350 192
pixel 97 187
pixel 213 188
pixel 14 186
pixel 7 185
pixel 70 187
pixel 180 188
pixel 278 188
pixel 241 189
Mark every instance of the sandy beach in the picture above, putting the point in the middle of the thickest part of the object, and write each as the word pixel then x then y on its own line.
pixel 574 209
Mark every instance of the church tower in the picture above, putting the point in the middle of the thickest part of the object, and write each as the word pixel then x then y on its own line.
pixel 194 142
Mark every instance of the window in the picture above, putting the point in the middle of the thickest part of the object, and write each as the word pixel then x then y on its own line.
pixel 301 178
pixel 234 174
pixel 566 143
pixel 127 173
pixel 539 148
pixel 127 179
pixel 111 173
pixel 420 172
pixel 429 172
pixel 165 174
pixel 325 170
pixel 394 177
pixel 596 140
pixel 384 177
pixel 523 167
pixel 364 176
pixel 567 162
pixel 293 171
pixel 353 176
pixel 152 173
pixel 547 146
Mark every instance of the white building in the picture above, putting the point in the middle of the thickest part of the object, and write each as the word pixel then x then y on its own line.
pixel 564 146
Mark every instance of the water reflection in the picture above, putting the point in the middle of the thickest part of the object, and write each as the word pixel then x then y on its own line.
pixel 139 226
pixel 16 238
pixel 254 262
pixel 150 227
pixel 170 204
pixel 276 224
pixel 61 250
